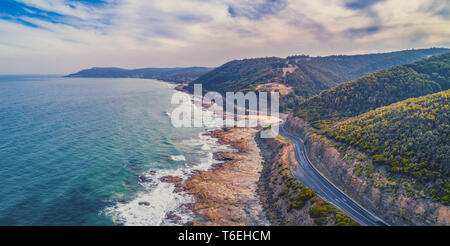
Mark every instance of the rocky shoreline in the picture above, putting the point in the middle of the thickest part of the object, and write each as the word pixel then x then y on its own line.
pixel 228 193
pixel 252 185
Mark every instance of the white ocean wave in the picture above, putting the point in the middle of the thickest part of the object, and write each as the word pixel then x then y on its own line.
pixel 178 158
pixel 157 200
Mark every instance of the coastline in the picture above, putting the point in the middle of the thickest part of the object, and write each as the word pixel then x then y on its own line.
pixel 241 183
pixel 232 191
pixel 227 194
pixel 163 201
pixel 222 189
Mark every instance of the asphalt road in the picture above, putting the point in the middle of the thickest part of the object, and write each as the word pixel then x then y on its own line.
pixel 312 178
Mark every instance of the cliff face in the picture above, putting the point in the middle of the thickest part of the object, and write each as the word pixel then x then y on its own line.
pixel 285 200
pixel 347 168
pixel 276 153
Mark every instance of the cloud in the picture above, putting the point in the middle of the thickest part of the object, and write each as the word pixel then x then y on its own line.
pixel 255 9
pixel 361 4
pixel 438 7
pixel 61 36
pixel 354 32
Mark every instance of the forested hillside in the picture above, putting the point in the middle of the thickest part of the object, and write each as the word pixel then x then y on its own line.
pixel 178 75
pixel 379 89
pixel 411 137
pixel 307 75
pixel 240 74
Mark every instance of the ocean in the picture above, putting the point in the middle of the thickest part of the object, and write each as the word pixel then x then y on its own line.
pixel 77 151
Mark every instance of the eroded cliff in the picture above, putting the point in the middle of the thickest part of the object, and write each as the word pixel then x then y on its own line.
pixel 393 199
pixel 285 199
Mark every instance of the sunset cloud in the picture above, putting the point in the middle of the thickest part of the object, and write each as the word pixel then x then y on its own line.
pixel 62 36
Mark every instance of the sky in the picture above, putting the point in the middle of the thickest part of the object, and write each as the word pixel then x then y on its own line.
pixel 65 36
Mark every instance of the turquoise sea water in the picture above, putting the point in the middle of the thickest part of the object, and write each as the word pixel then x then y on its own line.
pixel 72 150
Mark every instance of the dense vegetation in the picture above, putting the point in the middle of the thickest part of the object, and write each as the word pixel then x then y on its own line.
pixel 241 74
pixel 323 211
pixel 178 75
pixel 311 74
pixel 299 195
pixel 411 137
pixel 295 191
pixel 379 89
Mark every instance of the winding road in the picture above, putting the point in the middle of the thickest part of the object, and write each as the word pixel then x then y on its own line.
pixel 312 178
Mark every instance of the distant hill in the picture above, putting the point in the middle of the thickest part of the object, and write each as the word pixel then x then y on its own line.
pixel 178 75
pixel 411 137
pixel 307 75
pixel 379 89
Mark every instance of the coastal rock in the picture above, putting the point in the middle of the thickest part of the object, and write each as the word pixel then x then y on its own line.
pixel 172 217
pixel 144 204
pixel 193 223
pixel 145 178
pixel 223 156
pixel 171 179
pixel 177 181
pixel 227 137
pixel 227 194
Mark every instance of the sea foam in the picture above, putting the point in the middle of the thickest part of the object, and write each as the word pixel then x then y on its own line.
pixel 178 158
pixel 158 204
